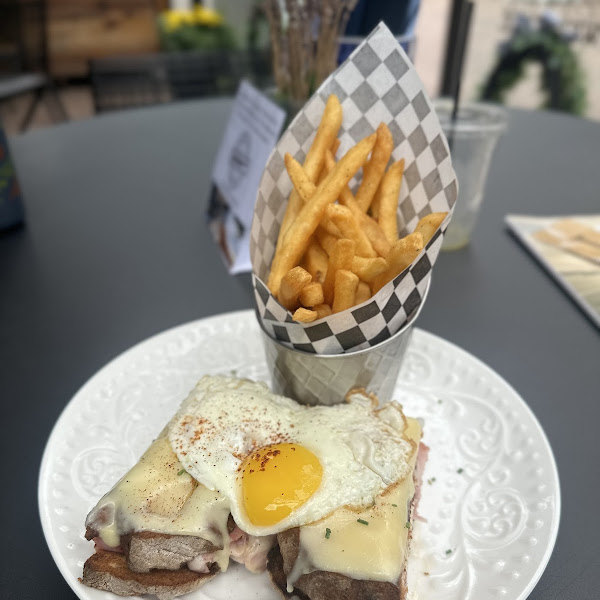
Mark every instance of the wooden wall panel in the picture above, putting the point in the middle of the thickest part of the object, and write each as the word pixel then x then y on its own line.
pixel 79 30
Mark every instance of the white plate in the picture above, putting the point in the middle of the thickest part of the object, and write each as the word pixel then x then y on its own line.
pixel 490 529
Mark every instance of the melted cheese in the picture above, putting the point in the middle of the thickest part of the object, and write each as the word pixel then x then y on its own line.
pixel 373 551
pixel 157 495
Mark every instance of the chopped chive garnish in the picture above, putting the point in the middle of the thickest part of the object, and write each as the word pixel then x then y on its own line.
pixel 407 525
pixel 327 533
pixel 362 521
pixel 439 401
pixel 181 472
pixel 459 471
pixel 448 551
pixel 395 505
pixel 431 480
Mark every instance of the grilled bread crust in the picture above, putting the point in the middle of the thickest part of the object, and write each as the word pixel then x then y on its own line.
pixel 108 571
pixel 322 585
pixel 147 550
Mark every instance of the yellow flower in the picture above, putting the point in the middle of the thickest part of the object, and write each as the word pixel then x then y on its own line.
pixel 176 18
pixel 207 16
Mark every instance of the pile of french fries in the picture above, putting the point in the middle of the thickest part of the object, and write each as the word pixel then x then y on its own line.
pixel 337 249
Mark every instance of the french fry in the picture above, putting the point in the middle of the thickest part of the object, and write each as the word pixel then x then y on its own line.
pixel 371 228
pixel 373 171
pixel 311 294
pixel 292 284
pixel 322 175
pixel 344 294
pixel 324 138
pixel 330 227
pixel 306 188
pixel 334 147
pixel 329 256
pixel 368 269
pixel 429 224
pixel 369 225
pixel 302 184
pixel 403 252
pixel 333 150
pixel 298 235
pixel 375 234
pixel 326 240
pixel 340 258
pixel 374 208
pixel 315 261
pixel 363 292
pixel 304 315
pixel 348 225
pixel 389 194
pixel 294 206
pixel 322 310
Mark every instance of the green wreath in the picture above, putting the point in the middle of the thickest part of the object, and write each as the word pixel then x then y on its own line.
pixel 562 78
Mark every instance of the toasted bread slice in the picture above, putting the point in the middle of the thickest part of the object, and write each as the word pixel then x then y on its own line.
pixel 322 585
pixel 108 571
pixel 147 550
pixel 327 585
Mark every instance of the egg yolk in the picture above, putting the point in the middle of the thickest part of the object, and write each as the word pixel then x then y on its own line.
pixel 276 480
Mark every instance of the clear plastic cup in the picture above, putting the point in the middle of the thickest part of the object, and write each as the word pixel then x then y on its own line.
pixel 472 139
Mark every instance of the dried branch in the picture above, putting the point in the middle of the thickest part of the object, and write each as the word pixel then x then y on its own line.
pixel 304 39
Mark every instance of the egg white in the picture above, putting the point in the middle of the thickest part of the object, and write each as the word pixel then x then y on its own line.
pixel 362 450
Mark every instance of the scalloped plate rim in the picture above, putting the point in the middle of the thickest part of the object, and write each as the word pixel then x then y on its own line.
pixel 85 593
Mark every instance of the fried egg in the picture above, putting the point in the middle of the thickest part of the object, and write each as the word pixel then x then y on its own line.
pixel 281 464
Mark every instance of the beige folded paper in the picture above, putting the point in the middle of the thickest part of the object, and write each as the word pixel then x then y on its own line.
pixel 572 236
pixel 568 248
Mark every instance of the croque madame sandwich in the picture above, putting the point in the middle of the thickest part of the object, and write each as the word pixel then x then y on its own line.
pixel 321 496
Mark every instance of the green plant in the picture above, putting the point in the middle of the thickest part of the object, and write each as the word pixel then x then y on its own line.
pixel 562 79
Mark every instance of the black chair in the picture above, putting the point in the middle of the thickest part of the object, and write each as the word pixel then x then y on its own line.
pixel 129 81
pixel 133 81
pixel 201 74
pixel 23 58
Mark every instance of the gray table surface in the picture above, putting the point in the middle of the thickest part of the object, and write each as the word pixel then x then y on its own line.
pixel 116 249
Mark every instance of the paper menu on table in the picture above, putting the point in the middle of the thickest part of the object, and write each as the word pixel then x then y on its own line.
pixel 569 248
pixel 252 131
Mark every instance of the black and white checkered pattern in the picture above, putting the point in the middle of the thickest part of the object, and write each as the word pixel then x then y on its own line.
pixel 377 83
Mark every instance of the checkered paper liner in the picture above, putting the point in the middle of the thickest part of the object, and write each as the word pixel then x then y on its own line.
pixel 377 83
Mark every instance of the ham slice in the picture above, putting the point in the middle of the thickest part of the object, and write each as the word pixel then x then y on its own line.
pixel 249 550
